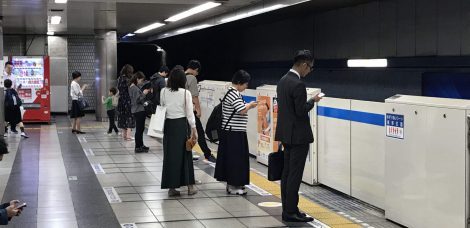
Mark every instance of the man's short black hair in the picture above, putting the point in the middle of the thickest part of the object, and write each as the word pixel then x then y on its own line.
pixel 76 74
pixel 303 56
pixel 8 83
pixel 3 146
pixel 241 77
pixel 195 65
pixel 8 63
pixel 164 69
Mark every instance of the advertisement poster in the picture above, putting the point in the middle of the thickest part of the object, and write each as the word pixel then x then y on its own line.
pixel 275 109
pixel 264 125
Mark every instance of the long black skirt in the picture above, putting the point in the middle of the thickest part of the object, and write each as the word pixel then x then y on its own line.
pixel 178 167
pixel 76 111
pixel 233 164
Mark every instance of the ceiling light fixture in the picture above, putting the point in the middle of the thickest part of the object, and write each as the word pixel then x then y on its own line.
pixel 149 27
pixel 367 63
pixel 55 20
pixel 61 1
pixel 130 34
pixel 192 11
pixel 199 27
pixel 50 33
pixel 252 13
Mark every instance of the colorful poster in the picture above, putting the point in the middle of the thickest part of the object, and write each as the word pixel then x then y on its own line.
pixel 275 109
pixel 264 125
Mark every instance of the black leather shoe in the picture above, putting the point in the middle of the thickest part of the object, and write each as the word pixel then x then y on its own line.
pixel 140 150
pixel 301 214
pixel 145 148
pixel 295 218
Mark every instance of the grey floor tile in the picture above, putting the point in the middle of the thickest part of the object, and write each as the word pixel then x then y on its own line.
pixel 267 221
pixel 125 190
pixel 130 197
pixel 170 211
pixel 57 224
pixel 249 213
pixel 183 224
pixel 124 213
pixel 150 189
pixel 212 215
pixel 218 223
pixel 164 204
pixel 129 206
pixel 137 219
pixel 175 217
pixel 149 225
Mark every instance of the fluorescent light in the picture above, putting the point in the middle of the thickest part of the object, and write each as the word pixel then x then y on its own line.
pixel 130 34
pixel 367 63
pixel 149 27
pixel 193 28
pixel 50 33
pixel 252 13
pixel 192 11
pixel 55 20
pixel 61 1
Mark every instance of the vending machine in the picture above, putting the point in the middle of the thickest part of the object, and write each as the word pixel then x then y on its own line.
pixel 267 121
pixel 33 85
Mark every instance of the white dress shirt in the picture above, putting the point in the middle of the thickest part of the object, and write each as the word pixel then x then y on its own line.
pixel 175 105
pixel 12 77
pixel 75 90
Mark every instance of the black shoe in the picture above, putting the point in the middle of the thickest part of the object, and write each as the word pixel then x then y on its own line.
pixel 295 218
pixel 145 148
pixel 80 132
pixel 16 132
pixel 301 214
pixel 140 150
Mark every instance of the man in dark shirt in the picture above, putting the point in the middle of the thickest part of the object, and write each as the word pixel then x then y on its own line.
pixel 158 82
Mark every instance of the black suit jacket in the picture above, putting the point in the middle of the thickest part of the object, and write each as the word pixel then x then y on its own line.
pixel 293 122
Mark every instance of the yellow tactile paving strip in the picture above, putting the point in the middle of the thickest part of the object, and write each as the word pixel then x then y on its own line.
pixel 318 212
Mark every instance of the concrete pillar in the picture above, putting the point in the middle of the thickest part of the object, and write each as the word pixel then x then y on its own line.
pixel 2 95
pixel 106 68
pixel 58 55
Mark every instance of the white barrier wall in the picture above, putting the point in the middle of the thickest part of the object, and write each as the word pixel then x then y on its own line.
pixel 368 153
pixel 252 130
pixel 351 148
pixel 334 142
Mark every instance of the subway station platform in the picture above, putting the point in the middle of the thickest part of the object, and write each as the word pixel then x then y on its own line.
pixel 96 180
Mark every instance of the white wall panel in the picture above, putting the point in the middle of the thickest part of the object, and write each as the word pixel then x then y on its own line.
pixel 334 140
pixel 368 156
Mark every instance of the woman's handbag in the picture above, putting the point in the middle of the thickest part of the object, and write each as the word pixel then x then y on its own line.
pixel 157 122
pixel 190 141
pixel 82 103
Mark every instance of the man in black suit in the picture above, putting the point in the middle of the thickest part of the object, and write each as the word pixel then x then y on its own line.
pixel 294 131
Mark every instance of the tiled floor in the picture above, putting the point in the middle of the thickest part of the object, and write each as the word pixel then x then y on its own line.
pixel 75 172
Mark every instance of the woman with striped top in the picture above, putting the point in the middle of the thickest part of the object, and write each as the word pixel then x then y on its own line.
pixel 233 165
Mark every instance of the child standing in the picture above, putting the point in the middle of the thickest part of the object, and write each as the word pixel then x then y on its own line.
pixel 111 109
pixel 12 107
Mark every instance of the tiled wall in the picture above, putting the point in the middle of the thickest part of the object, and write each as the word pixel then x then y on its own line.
pixel 81 57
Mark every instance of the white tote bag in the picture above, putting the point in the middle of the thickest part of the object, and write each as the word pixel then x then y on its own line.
pixel 157 122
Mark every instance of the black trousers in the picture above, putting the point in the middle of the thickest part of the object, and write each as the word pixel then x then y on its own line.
pixel 112 123
pixel 294 164
pixel 201 138
pixel 139 129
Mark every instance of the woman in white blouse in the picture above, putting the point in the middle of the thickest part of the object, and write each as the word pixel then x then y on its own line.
pixel 76 92
pixel 178 167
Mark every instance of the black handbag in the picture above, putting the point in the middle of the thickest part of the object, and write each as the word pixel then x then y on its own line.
pixel 82 103
pixel 275 164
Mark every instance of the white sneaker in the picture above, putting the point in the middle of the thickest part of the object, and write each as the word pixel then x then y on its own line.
pixel 24 135
pixel 234 190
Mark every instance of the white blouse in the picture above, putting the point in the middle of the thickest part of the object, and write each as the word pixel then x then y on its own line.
pixel 175 105
pixel 75 90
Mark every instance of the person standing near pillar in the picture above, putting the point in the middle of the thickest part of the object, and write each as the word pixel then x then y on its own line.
pixel 126 120
pixel 76 92
pixel 294 131
pixel 8 74
pixel 192 71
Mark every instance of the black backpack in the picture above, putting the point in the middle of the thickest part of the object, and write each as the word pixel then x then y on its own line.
pixel 9 93
pixel 214 123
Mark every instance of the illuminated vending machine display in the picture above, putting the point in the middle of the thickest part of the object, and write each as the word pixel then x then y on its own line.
pixel 33 86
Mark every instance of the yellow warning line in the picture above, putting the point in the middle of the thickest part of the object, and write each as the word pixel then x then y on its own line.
pixel 313 209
